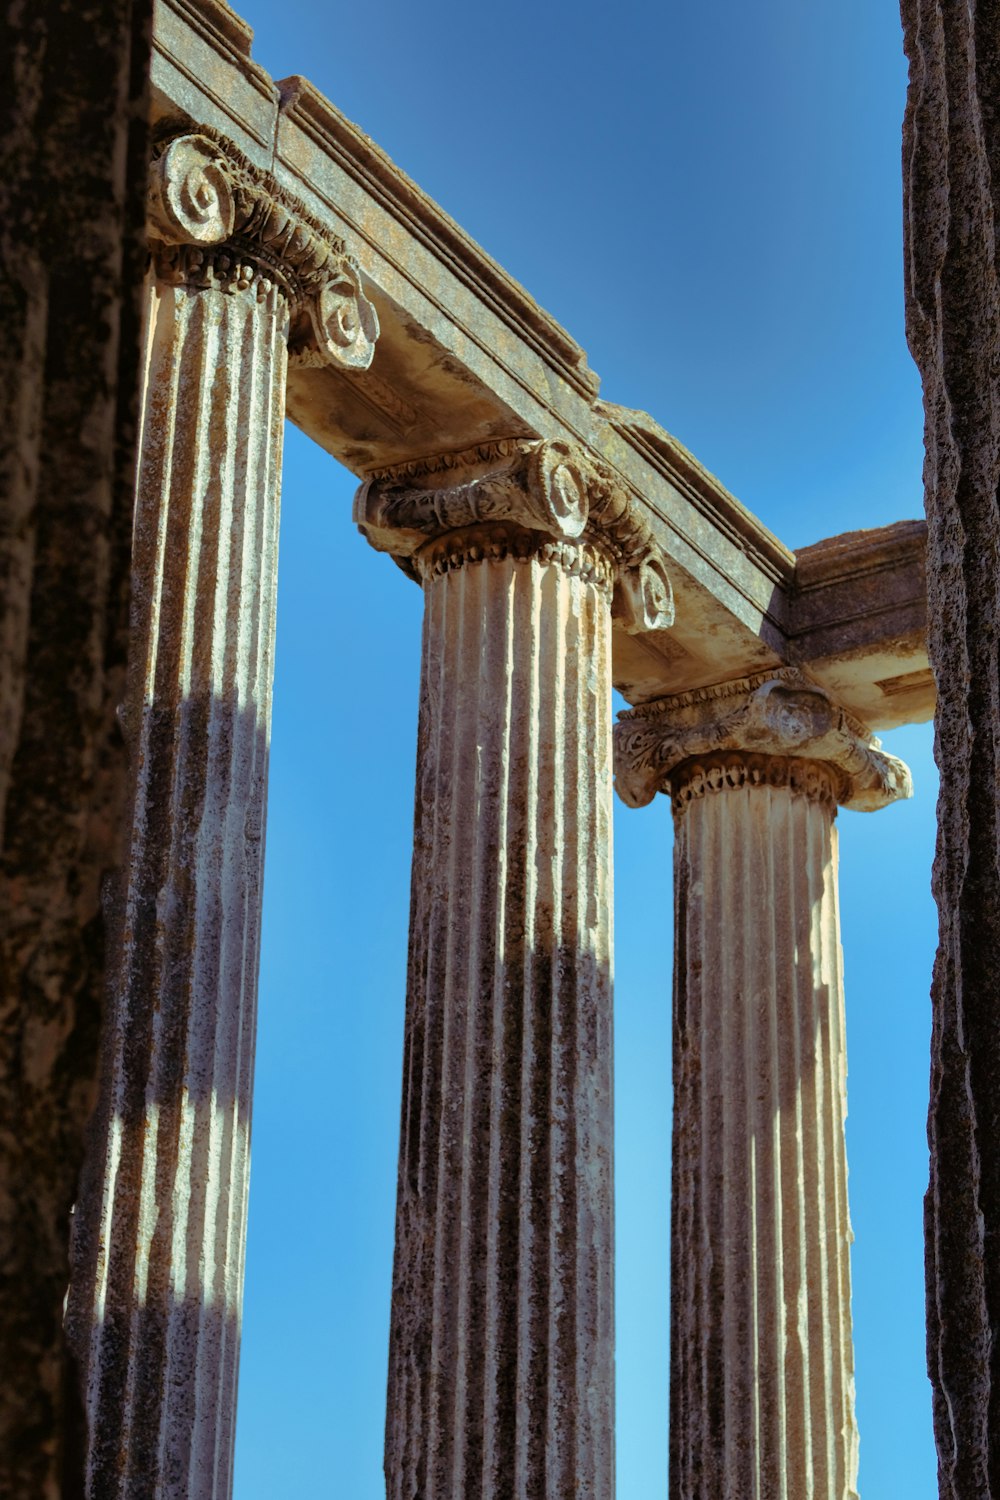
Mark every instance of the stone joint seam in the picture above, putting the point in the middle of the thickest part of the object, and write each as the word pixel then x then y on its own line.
pixel 443 464
pixel 737 687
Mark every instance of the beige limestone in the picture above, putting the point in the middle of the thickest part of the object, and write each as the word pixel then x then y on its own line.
pixel 258 188
pixel 156 1301
pixel 466 358
pixel 771 713
pixel 154 1312
pixel 501 1358
pixel 762 1384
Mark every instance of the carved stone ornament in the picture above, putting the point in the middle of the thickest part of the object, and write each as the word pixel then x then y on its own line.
pixel 777 713
pixel 491 496
pixel 214 220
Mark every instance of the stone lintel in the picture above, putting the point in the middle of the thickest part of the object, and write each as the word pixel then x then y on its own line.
pixel 466 357
pixel 781 714
pixel 201 69
pixel 858 618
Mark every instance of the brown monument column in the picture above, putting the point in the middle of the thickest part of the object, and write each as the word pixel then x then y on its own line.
pixel 951 187
pixel 762 1368
pixel 73 80
pixel 501 1366
pixel 154 1313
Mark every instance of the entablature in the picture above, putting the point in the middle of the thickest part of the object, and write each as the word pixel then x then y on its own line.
pixel 466 357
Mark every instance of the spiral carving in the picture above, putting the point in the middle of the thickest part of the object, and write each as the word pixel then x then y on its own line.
pixel 557 489
pixel 191 194
pixel 344 321
pixel 785 716
pixel 204 196
pixel 647 597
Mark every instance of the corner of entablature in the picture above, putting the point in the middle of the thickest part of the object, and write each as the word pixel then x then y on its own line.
pixel 214 219
pixel 553 489
pixel 779 713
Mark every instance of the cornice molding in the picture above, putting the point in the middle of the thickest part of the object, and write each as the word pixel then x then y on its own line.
pixel 778 713
pixel 678 465
pixel 303 106
pixel 215 219
pixel 552 488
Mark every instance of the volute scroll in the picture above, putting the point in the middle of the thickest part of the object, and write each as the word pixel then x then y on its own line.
pixel 553 489
pixel 214 219
pixel 780 713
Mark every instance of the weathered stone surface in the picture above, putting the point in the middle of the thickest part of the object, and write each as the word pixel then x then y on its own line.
pixel 158 1255
pixel 951 158
pixel 241 281
pixel 552 488
pixel 779 713
pixel 858 622
pixel 762 1367
pixel 202 71
pixel 73 83
pixel 501 1356
pixel 467 358
pixel 554 558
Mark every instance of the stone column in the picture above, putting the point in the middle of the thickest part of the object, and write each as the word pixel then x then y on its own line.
pixel 154 1312
pixel 72 205
pixel 501 1366
pixel 762 1369
pixel 951 204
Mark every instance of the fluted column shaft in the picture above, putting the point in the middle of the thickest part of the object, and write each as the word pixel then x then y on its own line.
pixel 157 1300
pixel 501 1377
pixel 501 1373
pixel 762 1365
pixel 762 1384
pixel 154 1309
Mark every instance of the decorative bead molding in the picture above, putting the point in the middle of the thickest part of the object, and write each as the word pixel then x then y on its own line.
pixel 215 220
pixel 440 464
pixel 552 488
pixel 730 771
pixel 494 543
pixel 780 713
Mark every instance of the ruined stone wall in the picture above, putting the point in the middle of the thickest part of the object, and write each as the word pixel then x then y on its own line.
pixel 951 168
pixel 72 187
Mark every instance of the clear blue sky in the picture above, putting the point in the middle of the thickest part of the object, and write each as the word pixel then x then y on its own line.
pixel 708 198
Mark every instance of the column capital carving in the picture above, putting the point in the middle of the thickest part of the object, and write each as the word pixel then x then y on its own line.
pixel 216 220
pixel 519 496
pixel 779 713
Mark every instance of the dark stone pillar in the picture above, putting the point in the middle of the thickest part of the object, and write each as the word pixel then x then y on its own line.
pixel 72 190
pixel 951 169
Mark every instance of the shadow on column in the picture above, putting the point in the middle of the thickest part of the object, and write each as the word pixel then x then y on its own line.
pixel 154 1309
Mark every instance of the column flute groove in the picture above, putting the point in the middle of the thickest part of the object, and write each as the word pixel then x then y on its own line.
pixel 501 1356
pixel 159 1238
pixel 762 1379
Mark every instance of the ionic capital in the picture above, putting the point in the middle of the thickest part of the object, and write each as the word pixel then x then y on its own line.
pixel 519 497
pixel 216 220
pixel 772 714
